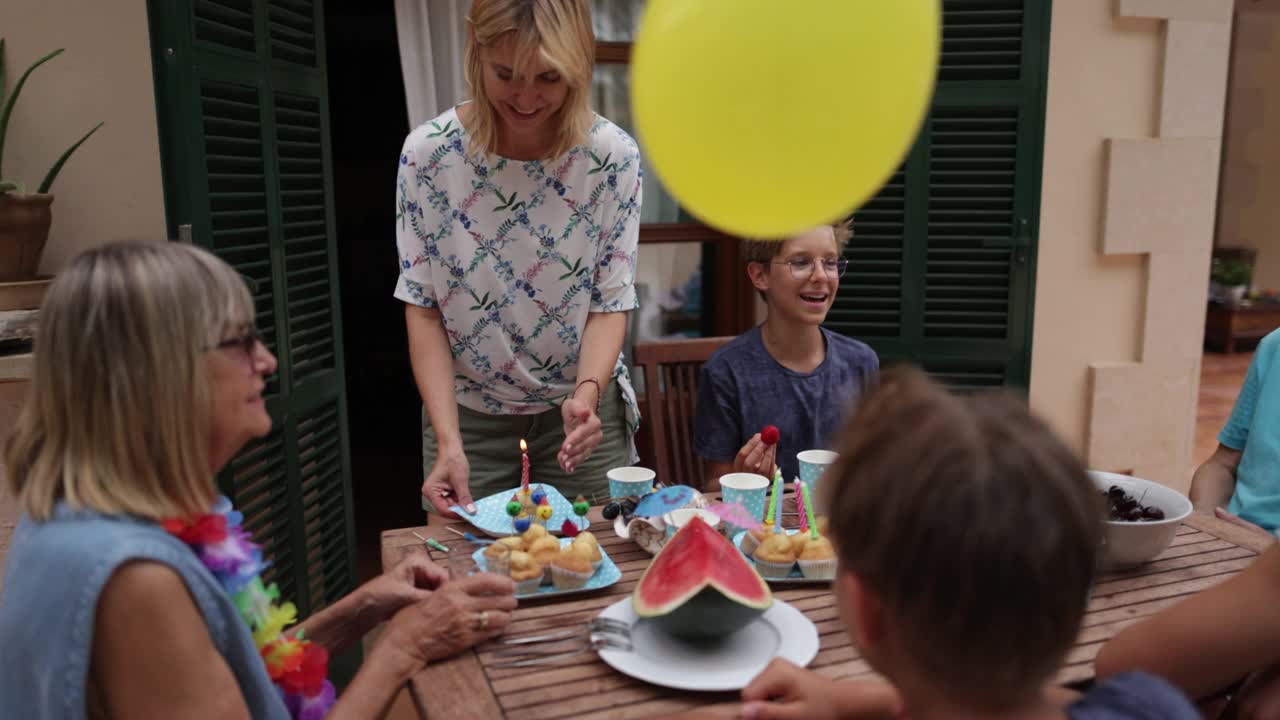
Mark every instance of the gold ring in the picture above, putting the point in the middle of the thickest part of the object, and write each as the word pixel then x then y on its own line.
pixel 484 619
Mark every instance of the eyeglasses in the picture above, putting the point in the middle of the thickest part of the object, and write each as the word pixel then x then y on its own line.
pixel 802 268
pixel 248 343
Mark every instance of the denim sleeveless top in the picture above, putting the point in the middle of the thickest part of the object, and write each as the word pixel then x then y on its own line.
pixel 55 572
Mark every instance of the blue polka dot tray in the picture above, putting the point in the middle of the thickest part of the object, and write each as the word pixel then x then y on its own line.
pixel 492 519
pixel 604 576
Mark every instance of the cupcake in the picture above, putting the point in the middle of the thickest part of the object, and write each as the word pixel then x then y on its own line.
pixel 798 541
pixel 511 544
pixel 571 569
pixel 544 551
pixel 822 525
pixel 752 539
pixel 526 572
pixel 774 558
pixel 818 561
pixel 533 534
pixel 589 546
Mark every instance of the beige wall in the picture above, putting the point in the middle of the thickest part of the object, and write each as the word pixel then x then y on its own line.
pixel 1103 76
pixel 1250 213
pixel 111 188
pixel 1133 133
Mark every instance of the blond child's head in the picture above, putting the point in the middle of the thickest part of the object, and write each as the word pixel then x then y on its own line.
pixel 967 535
pixel 798 276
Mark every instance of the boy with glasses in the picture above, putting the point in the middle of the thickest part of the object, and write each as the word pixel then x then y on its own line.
pixel 789 371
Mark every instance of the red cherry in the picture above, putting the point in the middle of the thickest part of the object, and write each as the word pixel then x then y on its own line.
pixel 769 435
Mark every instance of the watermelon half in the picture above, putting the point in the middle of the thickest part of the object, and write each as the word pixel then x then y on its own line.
pixel 700 585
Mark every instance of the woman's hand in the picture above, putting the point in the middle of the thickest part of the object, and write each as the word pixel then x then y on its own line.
pixel 582 433
pixel 756 457
pixel 411 580
pixel 449 483
pixel 460 614
pixel 1228 516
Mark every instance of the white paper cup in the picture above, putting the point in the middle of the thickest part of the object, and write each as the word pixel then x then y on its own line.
pixel 676 519
pixel 630 480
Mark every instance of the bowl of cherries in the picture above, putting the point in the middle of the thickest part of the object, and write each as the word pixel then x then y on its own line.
pixel 1142 518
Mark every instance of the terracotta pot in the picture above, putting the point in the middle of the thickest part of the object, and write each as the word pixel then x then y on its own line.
pixel 24 229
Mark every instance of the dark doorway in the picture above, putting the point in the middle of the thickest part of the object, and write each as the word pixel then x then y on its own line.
pixel 369 122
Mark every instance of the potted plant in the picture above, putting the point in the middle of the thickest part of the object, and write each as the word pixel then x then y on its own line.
pixel 24 217
pixel 1231 279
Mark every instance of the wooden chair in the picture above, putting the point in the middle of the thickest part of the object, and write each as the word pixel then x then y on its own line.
pixel 670 371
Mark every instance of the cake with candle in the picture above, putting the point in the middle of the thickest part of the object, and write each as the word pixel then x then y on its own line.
pixel 775 557
pixel 818 559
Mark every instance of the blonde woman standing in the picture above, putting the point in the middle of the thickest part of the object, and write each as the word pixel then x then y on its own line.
pixel 131 590
pixel 518 215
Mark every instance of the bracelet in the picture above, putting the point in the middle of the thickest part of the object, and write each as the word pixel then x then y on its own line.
pixel 599 392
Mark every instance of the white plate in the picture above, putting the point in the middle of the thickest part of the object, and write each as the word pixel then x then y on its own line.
pixel 728 663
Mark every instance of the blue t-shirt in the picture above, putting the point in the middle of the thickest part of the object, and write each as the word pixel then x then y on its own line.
pixel 1133 696
pixel 743 389
pixel 1254 427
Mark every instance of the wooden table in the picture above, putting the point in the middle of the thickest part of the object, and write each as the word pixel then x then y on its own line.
pixel 1205 552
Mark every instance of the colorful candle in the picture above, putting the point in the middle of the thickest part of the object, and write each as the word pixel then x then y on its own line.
pixel 524 466
pixel 775 503
pixel 808 509
pixel 773 500
pixel 800 507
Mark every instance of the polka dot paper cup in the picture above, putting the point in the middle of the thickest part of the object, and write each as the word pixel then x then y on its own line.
pixel 629 481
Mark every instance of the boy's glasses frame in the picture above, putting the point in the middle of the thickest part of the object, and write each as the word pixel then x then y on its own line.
pixel 802 268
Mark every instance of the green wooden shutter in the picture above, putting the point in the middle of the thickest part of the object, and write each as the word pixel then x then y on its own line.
pixel 244 132
pixel 942 262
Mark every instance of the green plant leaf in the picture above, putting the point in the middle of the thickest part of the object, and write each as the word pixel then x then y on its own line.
pixel 13 97
pixel 53 171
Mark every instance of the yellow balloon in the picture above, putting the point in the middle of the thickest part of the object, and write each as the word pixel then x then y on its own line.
pixel 765 118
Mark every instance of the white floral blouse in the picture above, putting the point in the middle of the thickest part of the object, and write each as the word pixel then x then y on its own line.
pixel 515 254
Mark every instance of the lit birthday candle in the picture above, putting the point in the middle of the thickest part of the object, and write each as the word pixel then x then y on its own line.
pixel 524 466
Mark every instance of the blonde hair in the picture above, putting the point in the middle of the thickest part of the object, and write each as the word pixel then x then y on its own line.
pixel 559 32
pixel 116 418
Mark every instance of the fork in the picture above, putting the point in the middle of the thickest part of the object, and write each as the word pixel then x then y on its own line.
pixel 599 634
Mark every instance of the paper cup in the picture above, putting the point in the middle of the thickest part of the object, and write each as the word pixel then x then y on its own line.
pixel 749 489
pixel 813 463
pixel 629 481
pixel 676 519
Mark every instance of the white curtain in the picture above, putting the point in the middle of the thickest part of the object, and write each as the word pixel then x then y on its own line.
pixel 432 41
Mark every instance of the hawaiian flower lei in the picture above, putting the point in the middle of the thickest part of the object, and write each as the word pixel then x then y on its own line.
pixel 298 667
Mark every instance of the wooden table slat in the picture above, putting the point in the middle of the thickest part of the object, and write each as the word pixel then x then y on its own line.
pixel 1205 552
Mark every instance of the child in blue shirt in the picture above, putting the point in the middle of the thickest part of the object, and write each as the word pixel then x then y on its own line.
pixel 1243 470
pixel 788 372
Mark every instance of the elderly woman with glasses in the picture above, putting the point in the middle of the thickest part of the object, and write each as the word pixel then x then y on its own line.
pixel 131 588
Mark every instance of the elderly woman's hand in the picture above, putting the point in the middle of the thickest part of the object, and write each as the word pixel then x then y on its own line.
pixel 460 614
pixel 411 580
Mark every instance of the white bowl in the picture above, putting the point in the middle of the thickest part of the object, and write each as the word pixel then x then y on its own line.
pixel 1127 544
